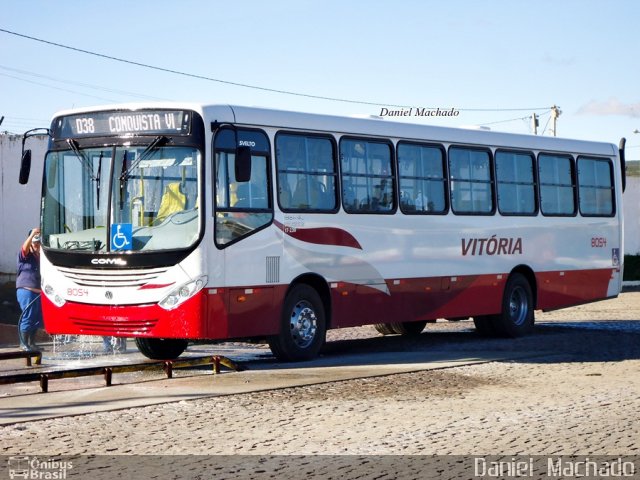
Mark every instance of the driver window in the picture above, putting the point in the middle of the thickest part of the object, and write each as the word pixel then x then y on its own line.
pixel 241 208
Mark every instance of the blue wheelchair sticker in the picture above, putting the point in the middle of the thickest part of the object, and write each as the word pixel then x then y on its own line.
pixel 121 234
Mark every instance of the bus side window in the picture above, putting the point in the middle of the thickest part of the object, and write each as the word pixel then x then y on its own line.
pixel 367 176
pixel 422 178
pixel 471 181
pixel 595 187
pixel 516 183
pixel 306 172
pixel 557 187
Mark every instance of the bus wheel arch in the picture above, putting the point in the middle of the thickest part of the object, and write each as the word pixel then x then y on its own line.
pixel 304 320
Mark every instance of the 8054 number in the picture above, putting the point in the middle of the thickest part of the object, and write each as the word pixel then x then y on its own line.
pixel 77 292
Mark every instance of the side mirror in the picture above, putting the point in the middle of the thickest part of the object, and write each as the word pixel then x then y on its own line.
pixel 243 164
pixel 25 167
pixel 623 162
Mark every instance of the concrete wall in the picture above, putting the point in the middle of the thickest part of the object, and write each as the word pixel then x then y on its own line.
pixel 632 216
pixel 19 204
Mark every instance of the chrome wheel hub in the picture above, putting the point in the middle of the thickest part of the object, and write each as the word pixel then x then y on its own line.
pixel 518 306
pixel 303 323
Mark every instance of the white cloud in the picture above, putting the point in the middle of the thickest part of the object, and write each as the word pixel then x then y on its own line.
pixel 558 61
pixel 612 106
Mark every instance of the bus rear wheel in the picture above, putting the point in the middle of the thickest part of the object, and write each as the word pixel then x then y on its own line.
pixel 302 326
pixel 384 328
pixel 161 348
pixel 408 328
pixel 517 316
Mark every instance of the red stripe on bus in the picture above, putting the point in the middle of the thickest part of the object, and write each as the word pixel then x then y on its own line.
pixel 149 286
pixel 565 288
pixel 321 236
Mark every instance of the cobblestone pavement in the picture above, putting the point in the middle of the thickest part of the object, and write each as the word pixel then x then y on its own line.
pixel 581 396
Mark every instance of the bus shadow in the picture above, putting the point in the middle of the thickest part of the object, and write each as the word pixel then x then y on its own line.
pixel 549 343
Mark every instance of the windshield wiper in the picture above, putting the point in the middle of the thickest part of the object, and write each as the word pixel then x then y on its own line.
pixel 98 181
pixel 73 145
pixel 90 245
pixel 157 142
pixel 123 178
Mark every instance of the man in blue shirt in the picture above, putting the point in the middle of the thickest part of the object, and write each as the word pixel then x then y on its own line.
pixel 28 290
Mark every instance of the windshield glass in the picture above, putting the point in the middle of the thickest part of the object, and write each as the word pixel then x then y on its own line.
pixel 126 198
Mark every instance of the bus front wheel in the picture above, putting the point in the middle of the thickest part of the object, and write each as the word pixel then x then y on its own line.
pixel 161 348
pixel 302 326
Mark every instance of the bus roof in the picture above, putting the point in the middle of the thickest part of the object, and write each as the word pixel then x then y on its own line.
pixel 292 120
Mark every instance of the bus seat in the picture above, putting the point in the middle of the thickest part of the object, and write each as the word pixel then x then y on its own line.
pixel 284 196
pixel 173 200
pixel 307 195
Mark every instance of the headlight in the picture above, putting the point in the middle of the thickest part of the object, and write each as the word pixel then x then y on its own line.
pixel 51 294
pixel 182 293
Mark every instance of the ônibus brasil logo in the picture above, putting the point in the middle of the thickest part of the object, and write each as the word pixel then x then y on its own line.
pixel 27 467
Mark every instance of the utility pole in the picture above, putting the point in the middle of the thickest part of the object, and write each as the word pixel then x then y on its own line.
pixel 534 123
pixel 555 113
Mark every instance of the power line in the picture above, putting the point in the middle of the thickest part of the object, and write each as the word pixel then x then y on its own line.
pixel 57 88
pixel 504 121
pixel 514 119
pixel 245 85
pixel 80 84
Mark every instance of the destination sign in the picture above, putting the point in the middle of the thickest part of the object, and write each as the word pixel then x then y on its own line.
pixel 119 123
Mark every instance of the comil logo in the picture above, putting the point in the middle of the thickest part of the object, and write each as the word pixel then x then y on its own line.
pixel 108 261
pixel 38 469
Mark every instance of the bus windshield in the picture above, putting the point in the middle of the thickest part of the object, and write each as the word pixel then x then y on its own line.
pixel 121 198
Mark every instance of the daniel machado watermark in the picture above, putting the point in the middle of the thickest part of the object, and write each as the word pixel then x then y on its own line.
pixel 37 468
pixel 419 112
pixel 584 467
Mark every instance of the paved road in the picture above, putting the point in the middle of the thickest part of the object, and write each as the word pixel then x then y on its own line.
pixel 571 388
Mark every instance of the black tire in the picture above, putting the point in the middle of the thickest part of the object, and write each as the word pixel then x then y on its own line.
pixel 517 316
pixel 384 328
pixel 161 348
pixel 484 325
pixel 302 326
pixel 408 328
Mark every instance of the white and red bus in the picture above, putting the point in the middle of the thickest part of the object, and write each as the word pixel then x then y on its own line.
pixel 177 222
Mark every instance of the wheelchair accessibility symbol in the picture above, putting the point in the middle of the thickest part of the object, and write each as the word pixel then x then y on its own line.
pixel 121 234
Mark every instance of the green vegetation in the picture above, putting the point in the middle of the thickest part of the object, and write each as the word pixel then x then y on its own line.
pixel 633 168
pixel 631 267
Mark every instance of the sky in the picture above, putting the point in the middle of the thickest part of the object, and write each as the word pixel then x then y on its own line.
pixel 494 62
